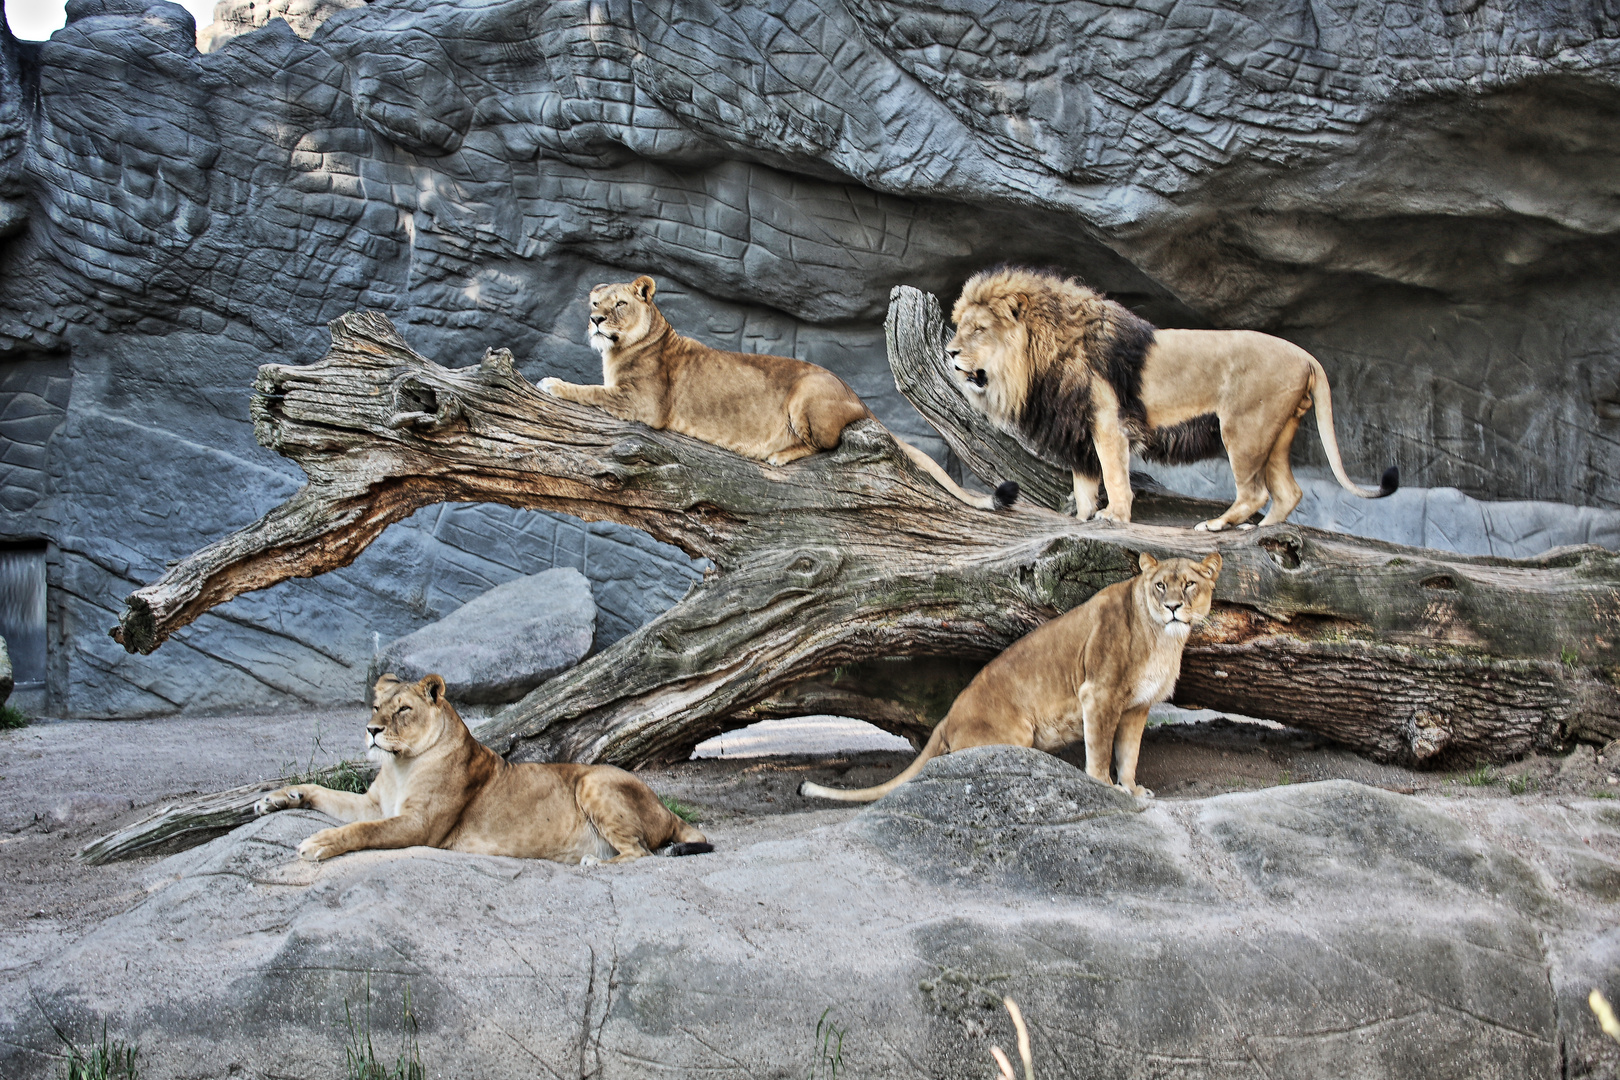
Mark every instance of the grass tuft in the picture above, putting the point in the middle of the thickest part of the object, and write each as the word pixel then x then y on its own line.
pixel 12 717
pixel 685 812
pixel 1483 776
pixel 1522 785
pixel 1569 657
pixel 344 776
pixel 829 1047
pixel 106 1059
pixel 360 1060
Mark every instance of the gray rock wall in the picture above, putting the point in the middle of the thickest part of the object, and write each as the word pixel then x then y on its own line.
pixel 1424 195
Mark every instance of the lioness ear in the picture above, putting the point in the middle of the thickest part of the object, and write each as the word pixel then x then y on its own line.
pixel 1146 562
pixel 432 687
pixel 1213 564
pixel 644 287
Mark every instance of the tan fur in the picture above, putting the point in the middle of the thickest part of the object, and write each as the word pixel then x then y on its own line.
pixel 440 787
pixel 1089 674
pixel 770 408
pixel 1014 326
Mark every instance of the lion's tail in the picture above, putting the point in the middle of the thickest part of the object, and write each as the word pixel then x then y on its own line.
pixel 931 749
pixel 1323 399
pixel 1005 495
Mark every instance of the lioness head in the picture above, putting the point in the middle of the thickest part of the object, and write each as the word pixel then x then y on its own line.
pixel 1177 592
pixel 407 719
pixel 623 315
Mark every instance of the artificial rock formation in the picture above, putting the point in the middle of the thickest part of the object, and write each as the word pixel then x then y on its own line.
pixel 1421 194
pixel 1311 931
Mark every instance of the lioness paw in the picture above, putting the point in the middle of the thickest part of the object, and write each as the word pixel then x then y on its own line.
pixel 549 384
pixel 589 860
pixel 1212 525
pixel 1110 514
pixel 278 800
pixel 320 846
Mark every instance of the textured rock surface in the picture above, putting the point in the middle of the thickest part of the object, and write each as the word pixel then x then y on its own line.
pixel 1422 194
pixel 497 647
pixel 1319 930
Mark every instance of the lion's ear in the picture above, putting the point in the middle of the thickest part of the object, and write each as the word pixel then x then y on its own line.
pixel 1147 562
pixel 644 287
pixel 432 687
pixel 1212 565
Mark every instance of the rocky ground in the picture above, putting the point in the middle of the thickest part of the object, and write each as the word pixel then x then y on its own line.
pixel 71 782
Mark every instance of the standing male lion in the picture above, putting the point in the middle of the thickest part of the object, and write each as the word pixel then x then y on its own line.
pixel 1080 381
pixel 770 408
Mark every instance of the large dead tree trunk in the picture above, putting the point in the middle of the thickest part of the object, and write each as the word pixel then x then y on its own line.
pixel 827 568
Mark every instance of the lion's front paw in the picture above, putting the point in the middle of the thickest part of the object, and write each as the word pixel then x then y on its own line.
pixel 1212 525
pixel 1123 517
pixel 589 860
pixel 279 800
pixel 323 845
pixel 1136 790
pixel 549 384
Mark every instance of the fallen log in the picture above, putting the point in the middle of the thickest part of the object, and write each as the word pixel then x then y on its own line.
pixel 849 557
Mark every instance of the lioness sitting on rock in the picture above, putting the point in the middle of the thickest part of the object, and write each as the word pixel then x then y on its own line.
pixel 770 408
pixel 1091 673
pixel 440 787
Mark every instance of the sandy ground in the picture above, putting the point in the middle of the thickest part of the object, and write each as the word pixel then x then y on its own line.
pixel 67 783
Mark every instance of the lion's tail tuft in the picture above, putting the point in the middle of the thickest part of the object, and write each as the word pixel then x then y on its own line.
pixel 686 848
pixel 1006 494
pixel 1390 483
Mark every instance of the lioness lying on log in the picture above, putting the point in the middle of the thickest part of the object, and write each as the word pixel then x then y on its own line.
pixel 1080 381
pixel 440 787
pixel 769 408
pixel 1091 673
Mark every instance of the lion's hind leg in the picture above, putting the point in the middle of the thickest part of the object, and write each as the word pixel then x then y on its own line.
pixel 1285 490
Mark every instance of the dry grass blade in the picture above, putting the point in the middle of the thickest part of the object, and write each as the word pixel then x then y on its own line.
pixel 1023 1046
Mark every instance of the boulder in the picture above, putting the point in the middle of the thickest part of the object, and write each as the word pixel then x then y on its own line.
pixel 498 646
pixel 1315 930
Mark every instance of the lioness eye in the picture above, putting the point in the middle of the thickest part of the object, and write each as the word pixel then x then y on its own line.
pixel 1159 585
pixel 1191 585
pixel 619 304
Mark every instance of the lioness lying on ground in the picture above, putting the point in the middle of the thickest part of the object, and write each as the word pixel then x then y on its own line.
pixel 769 408
pixel 1091 673
pixel 440 787
pixel 1081 381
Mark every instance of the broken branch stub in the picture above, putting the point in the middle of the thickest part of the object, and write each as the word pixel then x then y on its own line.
pixel 854 555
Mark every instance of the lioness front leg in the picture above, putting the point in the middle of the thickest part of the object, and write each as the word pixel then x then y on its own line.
pixel 1127 746
pixel 343 805
pixel 613 399
pixel 394 832
pixel 1100 716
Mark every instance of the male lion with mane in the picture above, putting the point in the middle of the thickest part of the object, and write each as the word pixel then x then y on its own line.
pixel 770 408
pixel 440 787
pixel 1091 673
pixel 1080 381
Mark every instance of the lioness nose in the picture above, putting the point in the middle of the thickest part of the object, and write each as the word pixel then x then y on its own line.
pixel 374 729
pixel 598 320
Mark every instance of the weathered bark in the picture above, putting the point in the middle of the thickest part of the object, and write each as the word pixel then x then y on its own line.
pixel 851 556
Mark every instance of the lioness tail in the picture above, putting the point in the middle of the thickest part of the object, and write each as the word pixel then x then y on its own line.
pixel 685 848
pixel 1322 397
pixel 1005 495
pixel 933 749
